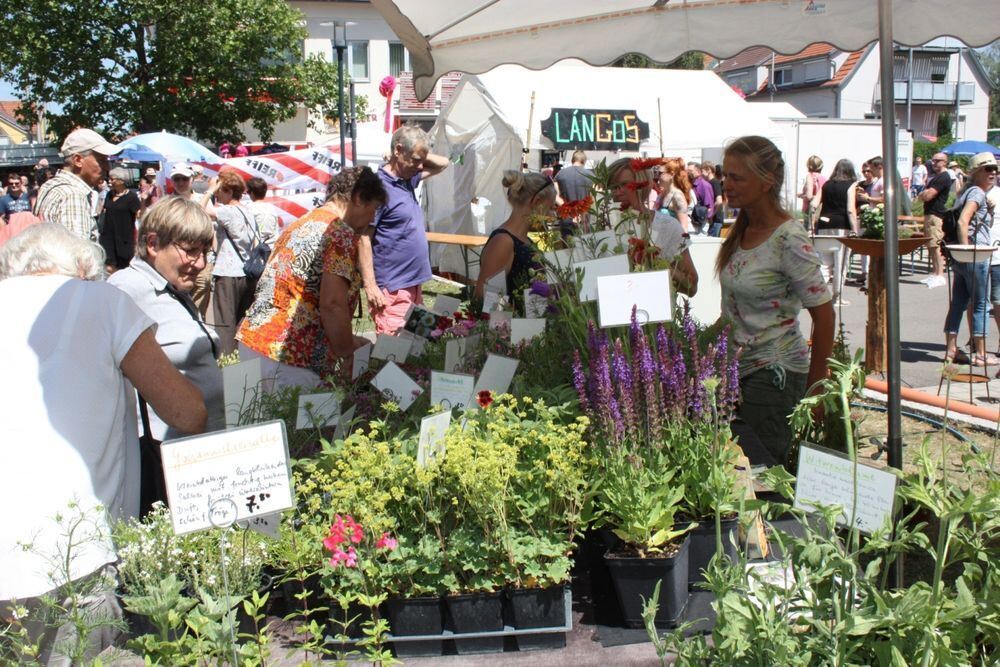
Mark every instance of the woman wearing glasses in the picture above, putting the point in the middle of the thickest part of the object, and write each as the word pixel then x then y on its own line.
pixel 509 249
pixel 174 237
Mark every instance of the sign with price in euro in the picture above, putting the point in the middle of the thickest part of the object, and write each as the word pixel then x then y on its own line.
pixel 216 479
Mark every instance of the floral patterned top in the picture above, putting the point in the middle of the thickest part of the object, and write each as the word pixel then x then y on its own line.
pixel 763 290
pixel 283 323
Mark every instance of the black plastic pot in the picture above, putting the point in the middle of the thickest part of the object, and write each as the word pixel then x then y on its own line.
pixel 415 616
pixel 635 578
pixel 703 545
pixel 538 608
pixel 477 612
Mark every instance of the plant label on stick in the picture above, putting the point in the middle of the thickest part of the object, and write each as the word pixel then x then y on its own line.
pixel 267 524
pixel 397 386
pixel 647 292
pixel 361 358
pixel 420 321
pixel 594 269
pixel 525 329
pixel 535 305
pixel 451 390
pixel 317 410
pixel 446 305
pixel 499 317
pixel 828 478
pixel 240 384
pixel 392 348
pixel 497 373
pixel 432 431
pixel 417 344
pixel 217 479
pixel 457 350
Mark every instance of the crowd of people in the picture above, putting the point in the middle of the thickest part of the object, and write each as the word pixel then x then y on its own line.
pixel 103 371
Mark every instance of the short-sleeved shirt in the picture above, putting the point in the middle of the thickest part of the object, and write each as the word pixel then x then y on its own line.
pixel 703 191
pixel 232 228
pixel 763 290
pixel 10 205
pixel 919 175
pixel 188 343
pixel 573 182
pixel 283 324
pixel 68 200
pixel 942 183
pixel 719 216
pixel 982 220
pixel 399 243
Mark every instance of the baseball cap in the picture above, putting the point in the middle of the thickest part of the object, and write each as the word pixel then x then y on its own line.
pixel 984 159
pixel 952 164
pixel 82 140
pixel 181 169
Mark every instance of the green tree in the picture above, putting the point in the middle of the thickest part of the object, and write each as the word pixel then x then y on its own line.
pixel 195 68
pixel 990 58
pixel 690 60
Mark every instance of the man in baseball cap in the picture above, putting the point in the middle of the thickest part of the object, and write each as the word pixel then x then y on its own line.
pixel 180 178
pixel 68 197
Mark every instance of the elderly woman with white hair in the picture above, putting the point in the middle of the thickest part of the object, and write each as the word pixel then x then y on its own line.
pixel 174 236
pixel 67 421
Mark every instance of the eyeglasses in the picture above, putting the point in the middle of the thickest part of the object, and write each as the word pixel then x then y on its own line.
pixel 178 177
pixel 939 159
pixel 189 254
pixel 992 169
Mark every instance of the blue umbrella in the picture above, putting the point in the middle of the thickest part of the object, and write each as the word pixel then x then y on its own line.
pixel 139 153
pixel 170 147
pixel 970 148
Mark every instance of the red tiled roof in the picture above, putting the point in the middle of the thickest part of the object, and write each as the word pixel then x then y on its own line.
pixel 8 108
pixel 811 51
pixel 752 57
pixel 853 59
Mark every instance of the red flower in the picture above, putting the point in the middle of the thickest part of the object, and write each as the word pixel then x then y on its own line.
pixel 641 164
pixel 639 251
pixel 444 322
pixel 484 398
pixel 575 208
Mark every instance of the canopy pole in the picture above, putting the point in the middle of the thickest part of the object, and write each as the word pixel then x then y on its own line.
pixel 889 139
pixel 531 121
pixel 659 115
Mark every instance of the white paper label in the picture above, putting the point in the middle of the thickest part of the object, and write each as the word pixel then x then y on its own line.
pixel 595 268
pixel 361 357
pixel 446 305
pixel 397 386
pixel 825 478
pixel 648 292
pixel 317 410
pixel 240 385
pixel 432 431
pixel 524 329
pixel 534 305
pixel 392 348
pixel 217 479
pixel 451 390
pixel 498 371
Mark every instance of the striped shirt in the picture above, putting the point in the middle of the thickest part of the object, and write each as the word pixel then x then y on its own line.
pixel 67 200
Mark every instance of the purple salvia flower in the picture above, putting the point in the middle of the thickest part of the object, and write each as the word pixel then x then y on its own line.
pixel 623 380
pixel 647 380
pixel 541 288
pixel 580 381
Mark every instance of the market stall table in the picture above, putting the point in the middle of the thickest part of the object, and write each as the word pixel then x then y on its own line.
pixel 467 243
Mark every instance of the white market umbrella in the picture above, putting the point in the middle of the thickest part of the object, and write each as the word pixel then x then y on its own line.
pixel 474 36
pixel 171 147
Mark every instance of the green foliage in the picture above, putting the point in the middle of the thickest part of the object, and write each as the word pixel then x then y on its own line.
pixel 690 60
pixel 199 69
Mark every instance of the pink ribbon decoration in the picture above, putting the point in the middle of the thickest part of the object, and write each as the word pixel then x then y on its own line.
pixel 386 88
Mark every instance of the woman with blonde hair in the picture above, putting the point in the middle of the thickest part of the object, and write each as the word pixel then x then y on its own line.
pixel 509 249
pixel 630 188
pixel 811 188
pixel 769 273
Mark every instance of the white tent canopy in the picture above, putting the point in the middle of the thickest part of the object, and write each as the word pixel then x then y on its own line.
pixel 486 125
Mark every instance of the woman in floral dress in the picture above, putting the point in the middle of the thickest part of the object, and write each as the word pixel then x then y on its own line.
pixel 769 272
pixel 300 322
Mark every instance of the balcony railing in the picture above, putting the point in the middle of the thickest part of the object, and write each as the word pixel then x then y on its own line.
pixel 933 92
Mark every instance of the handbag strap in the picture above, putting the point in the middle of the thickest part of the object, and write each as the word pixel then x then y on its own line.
pixel 192 310
pixel 230 238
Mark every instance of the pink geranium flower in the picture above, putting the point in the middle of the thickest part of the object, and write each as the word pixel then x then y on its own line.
pixel 387 542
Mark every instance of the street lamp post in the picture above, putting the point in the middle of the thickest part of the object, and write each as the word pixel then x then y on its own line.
pixel 340 44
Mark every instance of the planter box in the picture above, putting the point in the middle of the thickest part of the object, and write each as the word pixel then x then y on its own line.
pixel 475 613
pixel 703 546
pixel 635 579
pixel 416 617
pixel 533 608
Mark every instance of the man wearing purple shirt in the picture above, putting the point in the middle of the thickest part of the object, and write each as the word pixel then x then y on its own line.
pixel 393 255
pixel 705 197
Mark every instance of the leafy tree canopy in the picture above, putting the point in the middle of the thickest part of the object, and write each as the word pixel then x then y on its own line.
pixel 690 60
pixel 194 68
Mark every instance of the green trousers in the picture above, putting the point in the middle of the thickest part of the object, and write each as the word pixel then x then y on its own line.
pixel 769 396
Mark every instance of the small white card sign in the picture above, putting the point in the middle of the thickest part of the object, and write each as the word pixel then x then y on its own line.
pixel 451 390
pixel 317 410
pixel 649 292
pixel 217 479
pixel 432 432
pixel 557 262
pixel 446 305
pixel 457 350
pixel 826 478
pixel 397 386
pixel 534 304
pixel 240 383
pixel 417 343
pixel 594 269
pixel 392 348
pixel 497 373
pixel 500 318
pixel 361 357
pixel 592 246
pixel 524 329
pixel 267 524
pixel 345 422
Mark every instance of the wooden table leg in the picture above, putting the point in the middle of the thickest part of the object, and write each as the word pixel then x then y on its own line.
pixel 875 351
